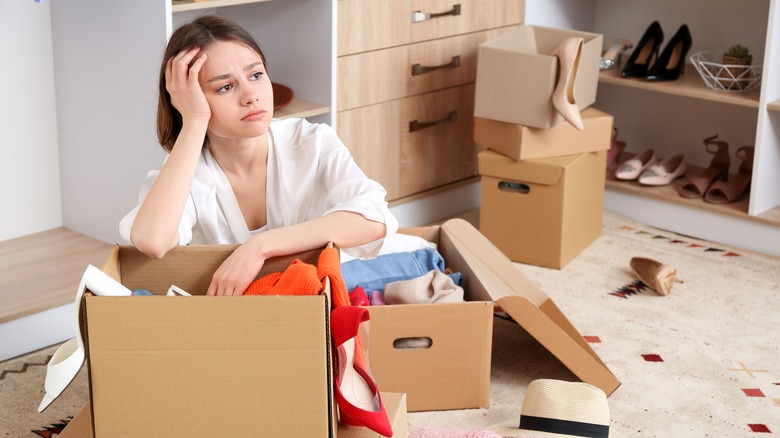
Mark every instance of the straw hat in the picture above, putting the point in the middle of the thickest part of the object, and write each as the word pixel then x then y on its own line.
pixel 556 408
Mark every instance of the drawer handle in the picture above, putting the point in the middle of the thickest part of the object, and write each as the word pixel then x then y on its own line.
pixel 416 126
pixel 418 69
pixel 418 16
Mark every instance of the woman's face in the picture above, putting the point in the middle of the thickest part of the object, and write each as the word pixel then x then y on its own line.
pixel 238 91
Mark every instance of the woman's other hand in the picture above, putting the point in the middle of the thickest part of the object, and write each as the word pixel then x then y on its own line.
pixel 181 81
pixel 237 272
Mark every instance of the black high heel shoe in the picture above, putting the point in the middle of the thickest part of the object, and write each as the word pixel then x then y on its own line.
pixel 644 53
pixel 671 64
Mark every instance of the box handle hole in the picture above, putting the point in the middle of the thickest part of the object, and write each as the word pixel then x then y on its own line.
pixel 514 187
pixel 413 343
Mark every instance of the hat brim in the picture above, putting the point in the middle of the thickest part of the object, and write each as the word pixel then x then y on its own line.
pixel 511 428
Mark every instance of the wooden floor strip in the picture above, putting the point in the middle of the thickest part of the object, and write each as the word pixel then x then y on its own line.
pixel 41 271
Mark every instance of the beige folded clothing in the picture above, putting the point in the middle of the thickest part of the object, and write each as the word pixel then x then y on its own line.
pixel 433 287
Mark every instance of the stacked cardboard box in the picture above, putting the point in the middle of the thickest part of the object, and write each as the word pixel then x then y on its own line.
pixel 542 179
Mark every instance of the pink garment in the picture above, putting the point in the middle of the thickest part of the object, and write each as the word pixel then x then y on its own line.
pixel 433 287
pixel 437 432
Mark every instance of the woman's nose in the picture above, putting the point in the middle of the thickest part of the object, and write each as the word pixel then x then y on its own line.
pixel 250 97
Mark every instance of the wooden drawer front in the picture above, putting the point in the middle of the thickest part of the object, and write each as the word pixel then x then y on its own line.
pixel 407 162
pixel 375 24
pixel 381 75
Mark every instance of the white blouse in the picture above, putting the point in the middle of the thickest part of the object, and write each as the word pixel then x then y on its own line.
pixel 310 173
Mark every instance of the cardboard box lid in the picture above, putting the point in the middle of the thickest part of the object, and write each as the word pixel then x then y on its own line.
pixel 528 305
pixel 544 171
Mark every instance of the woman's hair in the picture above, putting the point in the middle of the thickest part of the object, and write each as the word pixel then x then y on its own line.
pixel 201 32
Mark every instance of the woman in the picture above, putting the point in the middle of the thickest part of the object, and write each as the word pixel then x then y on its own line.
pixel 235 176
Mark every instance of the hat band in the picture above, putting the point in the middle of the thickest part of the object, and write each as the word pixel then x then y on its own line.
pixel 566 427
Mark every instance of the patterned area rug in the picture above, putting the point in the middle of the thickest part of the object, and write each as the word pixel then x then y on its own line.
pixel 700 362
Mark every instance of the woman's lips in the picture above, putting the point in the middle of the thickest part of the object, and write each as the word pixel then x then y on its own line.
pixel 253 116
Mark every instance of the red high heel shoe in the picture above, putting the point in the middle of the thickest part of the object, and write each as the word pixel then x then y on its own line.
pixel 357 395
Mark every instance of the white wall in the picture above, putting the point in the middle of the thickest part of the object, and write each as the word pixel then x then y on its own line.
pixel 29 167
pixel 566 14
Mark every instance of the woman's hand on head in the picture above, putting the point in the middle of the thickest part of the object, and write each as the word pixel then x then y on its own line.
pixel 181 81
pixel 236 273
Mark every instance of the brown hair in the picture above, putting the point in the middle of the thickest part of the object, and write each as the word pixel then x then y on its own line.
pixel 201 32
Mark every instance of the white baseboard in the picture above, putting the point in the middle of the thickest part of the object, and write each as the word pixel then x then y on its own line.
pixel 36 331
pixel 439 206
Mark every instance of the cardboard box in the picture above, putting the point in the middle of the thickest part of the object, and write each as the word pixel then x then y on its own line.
pixel 517 74
pixel 454 372
pixel 545 211
pixel 523 142
pixel 489 275
pixel 395 406
pixel 201 365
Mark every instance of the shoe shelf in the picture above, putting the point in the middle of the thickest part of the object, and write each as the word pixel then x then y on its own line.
pixel 773 106
pixel 669 193
pixel 688 85
pixel 194 5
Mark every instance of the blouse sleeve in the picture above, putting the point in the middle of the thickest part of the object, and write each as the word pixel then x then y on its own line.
pixel 187 219
pixel 349 189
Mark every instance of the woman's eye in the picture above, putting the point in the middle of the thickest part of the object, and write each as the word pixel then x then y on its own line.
pixel 225 88
pixel 257 75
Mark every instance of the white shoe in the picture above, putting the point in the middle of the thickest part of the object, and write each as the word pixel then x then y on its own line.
pixel 67 360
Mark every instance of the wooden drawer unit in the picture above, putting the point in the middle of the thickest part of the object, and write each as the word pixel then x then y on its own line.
pixel 375 24
pixel 414 144
pixel 401 61
pixel 397 72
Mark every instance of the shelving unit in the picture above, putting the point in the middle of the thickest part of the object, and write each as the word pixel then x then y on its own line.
pixel 673 117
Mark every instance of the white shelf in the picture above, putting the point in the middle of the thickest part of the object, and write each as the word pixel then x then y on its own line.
pixel 194 5
pixel 689 85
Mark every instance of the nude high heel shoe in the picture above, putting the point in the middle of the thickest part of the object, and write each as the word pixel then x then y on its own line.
pixel 654 274
pixel 568 54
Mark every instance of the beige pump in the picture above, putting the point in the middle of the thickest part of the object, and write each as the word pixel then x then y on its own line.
pixel 568 53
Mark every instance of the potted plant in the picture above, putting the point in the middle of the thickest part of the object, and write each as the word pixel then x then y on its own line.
pixel 735 77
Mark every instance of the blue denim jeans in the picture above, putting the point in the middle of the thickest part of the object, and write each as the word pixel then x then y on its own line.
pixel 375 273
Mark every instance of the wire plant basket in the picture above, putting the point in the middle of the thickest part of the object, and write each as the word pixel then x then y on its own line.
pixel 726 77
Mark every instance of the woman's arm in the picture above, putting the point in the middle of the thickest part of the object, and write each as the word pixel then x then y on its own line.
pixel 345 229
pixel 155 229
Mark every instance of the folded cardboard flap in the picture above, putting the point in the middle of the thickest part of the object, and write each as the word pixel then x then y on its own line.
pixel 529 306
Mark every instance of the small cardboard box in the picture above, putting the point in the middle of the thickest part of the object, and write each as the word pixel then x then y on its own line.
pixel 454 372
pixel 545 211
pixel 203 365
pixel 517 74
pixel 523 142
pixel 438 376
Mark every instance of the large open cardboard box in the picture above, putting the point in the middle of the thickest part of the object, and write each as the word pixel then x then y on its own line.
pixel 454 371
pixel 517 74
pixel 543 211
pixel 201 365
